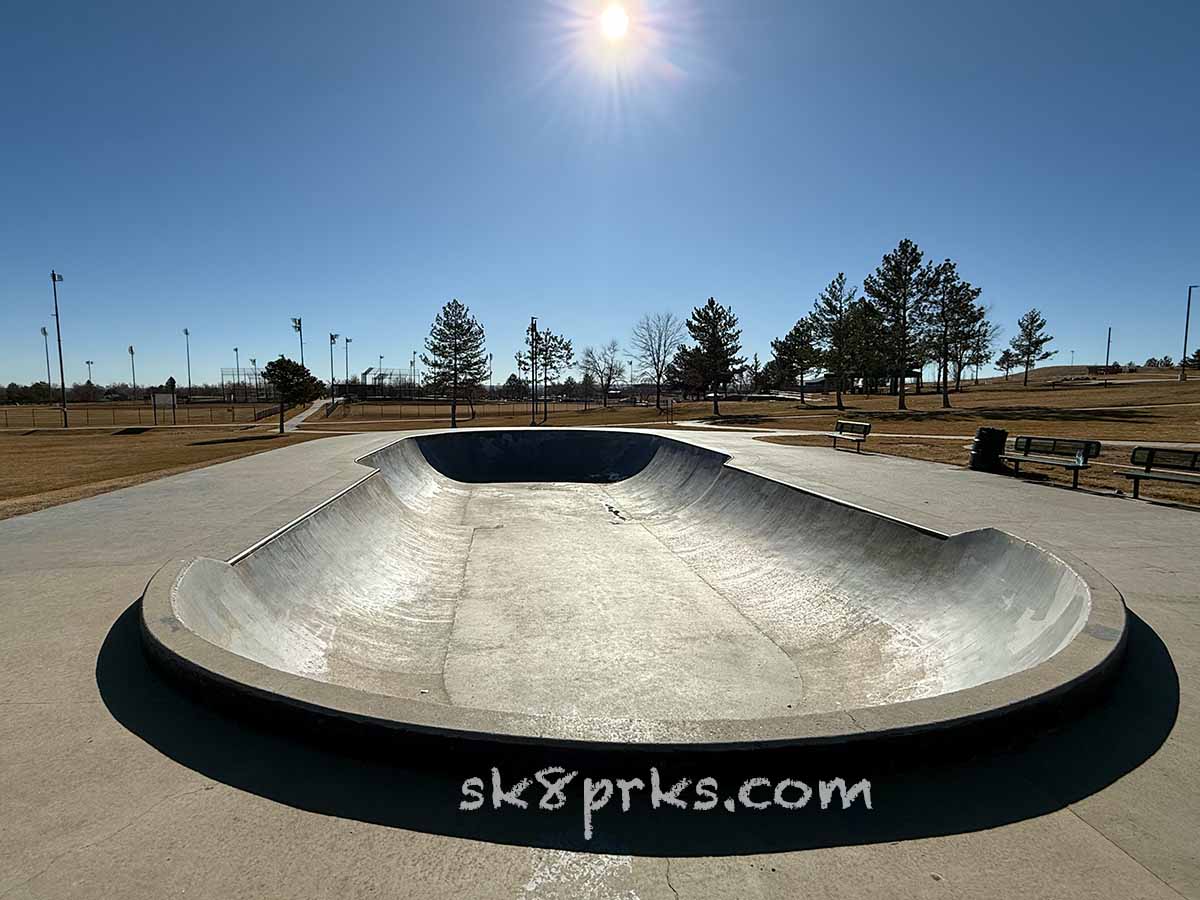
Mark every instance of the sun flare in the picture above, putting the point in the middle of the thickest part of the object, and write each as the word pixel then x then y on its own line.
pixel 614 22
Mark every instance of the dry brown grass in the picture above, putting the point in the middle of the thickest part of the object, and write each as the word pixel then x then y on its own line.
pixel 1161 411
pixel 116 413
pixel 513 416
pixel 45 468
pixel 1104 475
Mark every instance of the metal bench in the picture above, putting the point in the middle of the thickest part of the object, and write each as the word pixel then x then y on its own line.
pixel 1066 453
pixel 850 431
pixel 1164 464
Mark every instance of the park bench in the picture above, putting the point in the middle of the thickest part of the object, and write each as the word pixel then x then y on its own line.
pixel 1164 464
pixel 850 431
pixel 1066 453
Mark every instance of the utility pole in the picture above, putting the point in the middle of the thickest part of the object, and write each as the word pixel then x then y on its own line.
pixel 346 346
pixel 254 369
pixel 298 327
pixel 533 348
pixel 332 388
pixel 133 371
pixel 187 343
pixel 55 278
pixel 89 363
pixel 1187 320
pixel 237 374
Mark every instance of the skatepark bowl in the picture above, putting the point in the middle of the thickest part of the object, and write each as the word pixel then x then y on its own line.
pixel 591 587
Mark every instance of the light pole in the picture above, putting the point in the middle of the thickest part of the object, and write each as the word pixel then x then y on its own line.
pixel 298 327
pixel 346 346
pixel 89 363
pixel 1187 320
pixel 46 344
pixel 187 343
pixel 533 348
pixel 237 374
pixel 332 341
pixel 55 278
pixel 254 369
pixel 412 375
pixel 1072 358
pixel 133 371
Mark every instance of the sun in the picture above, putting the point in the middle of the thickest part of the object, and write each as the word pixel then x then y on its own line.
pixel 614 22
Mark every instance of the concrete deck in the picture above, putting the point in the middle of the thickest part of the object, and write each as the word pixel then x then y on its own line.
pixel 114 784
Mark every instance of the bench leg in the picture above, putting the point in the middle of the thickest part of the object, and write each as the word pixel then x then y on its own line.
pixel 1136 484
pixel 835 443
pixel 1074 478
pixel 858 446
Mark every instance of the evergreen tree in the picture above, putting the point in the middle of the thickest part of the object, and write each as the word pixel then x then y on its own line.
pixel 797 352
pixel 455 357
pixel 1029 344
pixel 293 383
pixel 718 341
pixel 831 324
pixel 899 287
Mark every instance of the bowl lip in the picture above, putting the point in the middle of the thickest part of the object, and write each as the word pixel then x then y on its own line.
pixel 1088 658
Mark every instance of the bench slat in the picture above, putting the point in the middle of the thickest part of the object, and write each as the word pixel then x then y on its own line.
pixel 1165 458
pixel 1052 446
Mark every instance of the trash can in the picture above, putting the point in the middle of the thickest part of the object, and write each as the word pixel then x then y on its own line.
pixel 985 452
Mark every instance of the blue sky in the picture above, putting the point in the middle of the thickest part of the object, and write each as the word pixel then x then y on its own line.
pixel 226 166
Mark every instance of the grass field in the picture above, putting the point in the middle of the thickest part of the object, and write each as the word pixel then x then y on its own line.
pixel 135 413
pixel 1104 474
pixel 46 467
pixel 366 416
pixel 1128 410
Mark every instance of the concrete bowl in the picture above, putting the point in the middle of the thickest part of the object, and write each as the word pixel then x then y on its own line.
pixel 592 588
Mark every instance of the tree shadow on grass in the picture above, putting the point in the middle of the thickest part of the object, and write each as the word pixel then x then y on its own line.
pixel 945 789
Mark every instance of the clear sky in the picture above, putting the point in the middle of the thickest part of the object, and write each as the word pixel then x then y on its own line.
pixel 226 166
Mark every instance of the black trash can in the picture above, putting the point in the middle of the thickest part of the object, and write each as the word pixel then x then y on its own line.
pixel 985 452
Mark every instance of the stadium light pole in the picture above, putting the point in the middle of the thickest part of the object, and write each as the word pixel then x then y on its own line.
pixel 1187 320
pixel 133 371
pixel 187 343
pixel 89 363
pixel 346 346
pixel 533 341
pixel 55 278
pixel 237 373
pixel 298 327
pixel 46 344
pixel 254 369
pixel 332 341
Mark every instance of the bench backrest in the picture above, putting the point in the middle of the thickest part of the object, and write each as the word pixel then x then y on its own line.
pixel 1052 446
pixel 1165 458
pixel 846 427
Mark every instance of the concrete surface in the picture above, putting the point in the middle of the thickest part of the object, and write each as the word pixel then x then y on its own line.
pixel 114 784
pixel 623 587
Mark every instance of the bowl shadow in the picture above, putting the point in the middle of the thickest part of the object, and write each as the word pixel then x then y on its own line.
pixel 951 788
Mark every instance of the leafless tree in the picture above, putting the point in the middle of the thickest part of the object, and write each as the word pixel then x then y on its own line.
pixel 604 365
pixel 655 339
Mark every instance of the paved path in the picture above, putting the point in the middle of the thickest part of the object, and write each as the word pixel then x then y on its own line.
pixel 114 785
pixel 297 420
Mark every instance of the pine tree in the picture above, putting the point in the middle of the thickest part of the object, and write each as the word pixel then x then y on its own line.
pixel 293 383
pixel 718 341
pixel 832 330
pixel 1030 341
pixel 456 357
pixel 797 352
pixel 899 287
